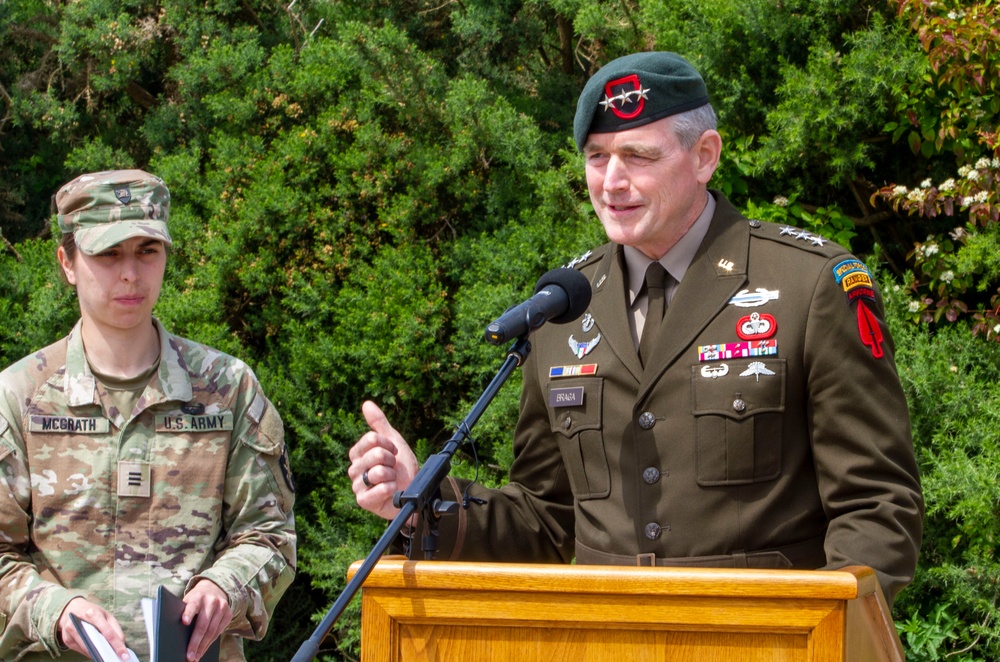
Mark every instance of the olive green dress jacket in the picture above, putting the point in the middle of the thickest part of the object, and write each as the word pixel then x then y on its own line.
pixel 769 429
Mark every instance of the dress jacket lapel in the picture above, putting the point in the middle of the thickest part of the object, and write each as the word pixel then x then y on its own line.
pixel 718 271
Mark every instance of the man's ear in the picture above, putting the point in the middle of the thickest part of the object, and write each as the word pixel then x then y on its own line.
pixel 708 150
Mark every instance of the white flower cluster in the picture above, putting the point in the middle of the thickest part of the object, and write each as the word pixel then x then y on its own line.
pixel 916 195
pixel 781 201
pixel 948 276
pixel 927 250
pixel 900 190
pixel 947 185
pixel 914 307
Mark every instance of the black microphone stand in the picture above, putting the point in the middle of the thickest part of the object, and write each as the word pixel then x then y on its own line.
pixel 419 495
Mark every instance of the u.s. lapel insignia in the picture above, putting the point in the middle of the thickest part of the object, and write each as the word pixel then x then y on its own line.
pixel 756 369
pixel 581 349
pixel 756 326
pixel 726 264
pixel 747 299
pixel 715 371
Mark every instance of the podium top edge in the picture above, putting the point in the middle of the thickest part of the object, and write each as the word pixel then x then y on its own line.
pixel 843 584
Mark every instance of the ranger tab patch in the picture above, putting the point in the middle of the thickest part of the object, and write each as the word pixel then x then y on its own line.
pixel 854 278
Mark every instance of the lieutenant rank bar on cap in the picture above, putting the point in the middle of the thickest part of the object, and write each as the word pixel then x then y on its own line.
pixel 737 350
pixel 572 370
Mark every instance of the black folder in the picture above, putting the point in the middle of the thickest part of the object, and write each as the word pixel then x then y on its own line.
pixel 170 636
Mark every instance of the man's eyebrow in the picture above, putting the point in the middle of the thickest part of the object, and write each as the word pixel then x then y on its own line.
pixel 629 149
pixel 640 149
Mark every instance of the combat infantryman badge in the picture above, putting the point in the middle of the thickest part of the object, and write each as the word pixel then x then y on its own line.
pixel 746 299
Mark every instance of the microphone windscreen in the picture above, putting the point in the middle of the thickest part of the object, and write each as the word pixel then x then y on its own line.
pixel 577 289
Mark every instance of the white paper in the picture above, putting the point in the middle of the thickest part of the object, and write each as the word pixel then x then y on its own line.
pixel 104 649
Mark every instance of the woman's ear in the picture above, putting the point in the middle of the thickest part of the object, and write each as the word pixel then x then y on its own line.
pixel 66 265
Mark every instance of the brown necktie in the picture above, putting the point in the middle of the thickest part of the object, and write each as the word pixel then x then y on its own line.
pixel 656 283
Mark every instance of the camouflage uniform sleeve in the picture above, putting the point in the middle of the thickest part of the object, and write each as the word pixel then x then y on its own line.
pixel 256 556
pixel 30 606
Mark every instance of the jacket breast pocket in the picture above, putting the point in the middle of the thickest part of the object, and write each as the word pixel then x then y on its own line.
pixel 575 408
pixel 739 409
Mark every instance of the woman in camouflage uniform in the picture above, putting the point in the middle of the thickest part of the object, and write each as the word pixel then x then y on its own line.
pixel 131 458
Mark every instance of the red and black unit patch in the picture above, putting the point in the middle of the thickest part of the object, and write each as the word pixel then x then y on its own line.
pixel 625 97
pixel 854 278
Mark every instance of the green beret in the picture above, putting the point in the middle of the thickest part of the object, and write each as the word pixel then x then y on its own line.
pixel 637 89
pixel 103 209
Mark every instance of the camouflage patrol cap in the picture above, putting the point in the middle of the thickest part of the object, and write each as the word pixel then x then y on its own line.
pixel 102 209
pixel 635 90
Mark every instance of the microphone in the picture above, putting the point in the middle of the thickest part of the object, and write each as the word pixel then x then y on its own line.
pixel 561 295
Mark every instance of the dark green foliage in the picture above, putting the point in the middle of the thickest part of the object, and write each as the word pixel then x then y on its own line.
pixel 953 390
pixel 359 187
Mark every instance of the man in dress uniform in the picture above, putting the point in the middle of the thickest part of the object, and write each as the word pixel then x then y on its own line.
pixel 729 399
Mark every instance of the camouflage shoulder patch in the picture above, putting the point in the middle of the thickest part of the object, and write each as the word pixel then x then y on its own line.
pixel 6 447
pixel 268 435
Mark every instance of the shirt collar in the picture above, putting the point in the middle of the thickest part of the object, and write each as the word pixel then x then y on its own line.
pixel 172 381
pixel 678 258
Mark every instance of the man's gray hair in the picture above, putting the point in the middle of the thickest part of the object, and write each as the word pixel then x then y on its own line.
pixel 689 125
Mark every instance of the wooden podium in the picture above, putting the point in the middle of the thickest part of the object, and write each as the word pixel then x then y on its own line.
pixel 471 612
